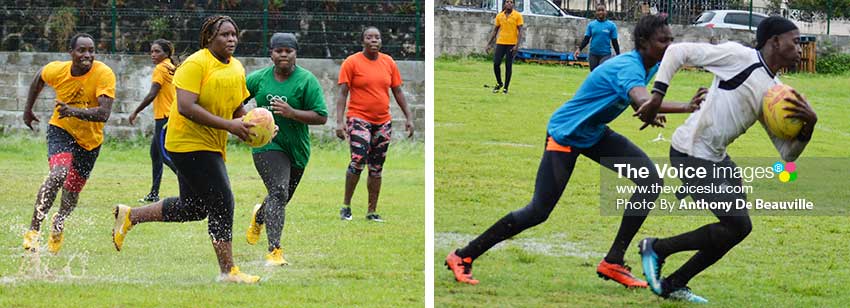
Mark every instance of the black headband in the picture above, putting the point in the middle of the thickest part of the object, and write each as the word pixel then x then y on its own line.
pixel 771 26
pixel 283 40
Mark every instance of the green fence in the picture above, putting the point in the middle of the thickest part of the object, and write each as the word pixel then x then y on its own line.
pixel 325 29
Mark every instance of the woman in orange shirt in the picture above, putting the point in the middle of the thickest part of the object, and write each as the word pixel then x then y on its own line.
pixel 367 75
pixel 162 94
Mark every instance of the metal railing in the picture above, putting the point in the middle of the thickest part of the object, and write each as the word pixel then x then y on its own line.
pixel 325 29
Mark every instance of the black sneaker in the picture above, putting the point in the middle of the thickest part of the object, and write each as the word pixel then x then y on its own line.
pixel 374 217
pixel 345 213
pixel 505 91
pixel 497 88
pixel 149 199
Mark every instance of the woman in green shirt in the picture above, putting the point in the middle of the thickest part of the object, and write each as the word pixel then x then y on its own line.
pixel 295 97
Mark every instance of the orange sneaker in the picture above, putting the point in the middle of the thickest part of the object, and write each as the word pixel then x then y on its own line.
pixel 461 268
pixel 620 273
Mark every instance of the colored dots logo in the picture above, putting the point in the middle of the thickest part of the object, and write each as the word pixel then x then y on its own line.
pixel 787 171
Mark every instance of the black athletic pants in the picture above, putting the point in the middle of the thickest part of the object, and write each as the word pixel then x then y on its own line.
pixel 157 157
pixel 554 172
pixel 503 51
pixel 281 180
pixel 204 193
pixel 711 241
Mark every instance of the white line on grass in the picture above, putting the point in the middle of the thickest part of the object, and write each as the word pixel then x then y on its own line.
pixel 555 246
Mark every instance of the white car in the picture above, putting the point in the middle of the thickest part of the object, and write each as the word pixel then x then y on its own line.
pixel 729 19
pixel 525 7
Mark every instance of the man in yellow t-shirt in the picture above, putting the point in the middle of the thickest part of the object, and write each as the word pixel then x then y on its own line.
pixel 508 28
pixel 85 89
pixel 210 91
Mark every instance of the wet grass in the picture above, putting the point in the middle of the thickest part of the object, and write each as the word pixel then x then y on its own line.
pixel 488 147
pixel 332 263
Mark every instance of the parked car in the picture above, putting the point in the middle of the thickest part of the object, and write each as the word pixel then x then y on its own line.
pixel 525 7
pixel 729 19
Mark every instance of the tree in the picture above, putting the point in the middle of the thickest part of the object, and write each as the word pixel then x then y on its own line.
pixel 836 8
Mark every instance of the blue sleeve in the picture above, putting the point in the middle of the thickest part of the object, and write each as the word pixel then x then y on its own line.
pixel 588 32
pixel 613 31
pixel 628 78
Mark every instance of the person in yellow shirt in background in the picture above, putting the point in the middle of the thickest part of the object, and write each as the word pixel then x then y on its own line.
pixel 85 89
pixel 508 27
pixel 162 94
pixel 210 90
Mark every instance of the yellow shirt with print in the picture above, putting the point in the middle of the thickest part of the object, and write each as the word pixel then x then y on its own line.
pixel 221 90
pixel 163 75
pixel 79 92
pixel 508 31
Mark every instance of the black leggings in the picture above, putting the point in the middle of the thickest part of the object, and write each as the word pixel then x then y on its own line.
pixel 554 172
pixel 157 156
pixel 503 51
pixel 204 193
pixel 711 241
pixel 281 180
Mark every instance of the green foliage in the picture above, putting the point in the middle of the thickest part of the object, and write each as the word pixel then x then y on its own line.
pixel 61 26
pixel 158 28
pixel 838 8
pixel 834 64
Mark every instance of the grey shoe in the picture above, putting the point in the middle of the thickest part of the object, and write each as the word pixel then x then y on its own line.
pixel 345 213
pixel 374 217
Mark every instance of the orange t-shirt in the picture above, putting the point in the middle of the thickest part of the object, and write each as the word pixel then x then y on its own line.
pixel 163 74
pixel 80 92
pixel 369 82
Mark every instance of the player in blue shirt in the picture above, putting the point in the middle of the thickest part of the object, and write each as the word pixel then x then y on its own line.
pixel 579 127
pixel 602 35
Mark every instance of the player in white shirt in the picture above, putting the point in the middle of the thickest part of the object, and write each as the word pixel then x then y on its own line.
pixel 742 76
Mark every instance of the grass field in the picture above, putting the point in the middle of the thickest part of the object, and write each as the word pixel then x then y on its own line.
pixel 487 150
pixel 333 263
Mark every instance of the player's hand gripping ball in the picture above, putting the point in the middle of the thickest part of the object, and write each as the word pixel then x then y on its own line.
pixel 773 106
pixel 263 129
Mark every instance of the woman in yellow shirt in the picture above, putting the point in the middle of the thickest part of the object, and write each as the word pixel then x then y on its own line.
pixel 210 90
pixel 162 95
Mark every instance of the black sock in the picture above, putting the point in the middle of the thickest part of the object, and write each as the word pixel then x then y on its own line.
pixel 500 231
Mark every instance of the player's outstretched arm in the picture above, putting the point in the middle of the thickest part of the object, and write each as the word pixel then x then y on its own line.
pixel 35 89
pixel 341 99
pixel 152 93
pixel 399 98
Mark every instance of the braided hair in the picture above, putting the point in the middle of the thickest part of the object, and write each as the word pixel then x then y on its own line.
pixel 168 48
pixel 211 26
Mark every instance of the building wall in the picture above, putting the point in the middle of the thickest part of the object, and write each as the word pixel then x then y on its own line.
pixel 133 75
pixel 465 33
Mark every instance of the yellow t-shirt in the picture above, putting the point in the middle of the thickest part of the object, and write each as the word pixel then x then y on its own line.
pixel 221 90
pixel 508 31
pixel 163 75
pixel 79 92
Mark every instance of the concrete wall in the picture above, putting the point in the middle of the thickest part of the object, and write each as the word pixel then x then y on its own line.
pixel 464 33
pixel 133 75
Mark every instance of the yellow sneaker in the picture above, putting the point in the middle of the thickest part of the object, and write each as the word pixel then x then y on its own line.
pixel 275 258
pixel 254 229
pixel 54 241
pixel 238 277
pixel 31 240
pixel 122 225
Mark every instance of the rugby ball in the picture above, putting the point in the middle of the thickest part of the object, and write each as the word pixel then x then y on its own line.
pixel 773 106
pixel 263 129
